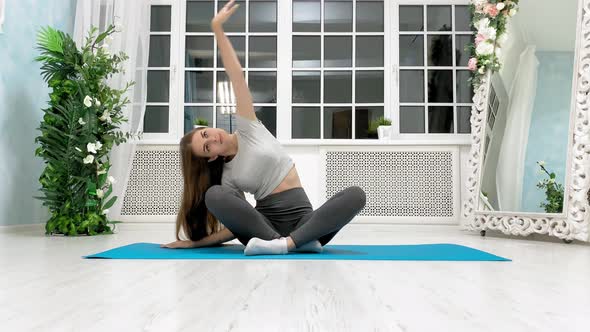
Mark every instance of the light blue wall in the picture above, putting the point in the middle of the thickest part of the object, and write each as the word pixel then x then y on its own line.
pixel 548 134
pixel 22 96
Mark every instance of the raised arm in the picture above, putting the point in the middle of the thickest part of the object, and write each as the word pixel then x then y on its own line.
pixel 231 63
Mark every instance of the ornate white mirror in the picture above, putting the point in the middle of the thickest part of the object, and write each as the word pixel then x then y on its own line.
pixel 530 127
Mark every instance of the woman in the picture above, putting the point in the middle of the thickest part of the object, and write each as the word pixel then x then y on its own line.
pixel 218 167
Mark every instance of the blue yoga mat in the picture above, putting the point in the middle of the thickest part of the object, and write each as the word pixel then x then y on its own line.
pixel 420 252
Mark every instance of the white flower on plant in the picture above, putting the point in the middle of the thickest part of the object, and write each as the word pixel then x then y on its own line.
pixel 92 147
pixel 89 159
pixel 88 101
pixel 111 179
pixel 488 33
pixel 484 48
pixel 80 121
pixel 106 117
pixel 512 12
pixel 481 70
pixel 96 102
pixel 99 193
pixel 482 24
pixel 500 6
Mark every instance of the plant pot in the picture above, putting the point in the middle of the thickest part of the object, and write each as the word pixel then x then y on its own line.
pixel 384 132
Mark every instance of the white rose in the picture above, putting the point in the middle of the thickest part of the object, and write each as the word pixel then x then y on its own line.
pixel 488 32
pixel 96 102
pixel 99 193
pixel 88 101
pixel 500 6
pixel 89 159
pixel 512 12
pixel 91 147
pixel 98 145
pixel 481 70
pixel 482 24
pixel 80 121
pixel 484 49
pixel 111 179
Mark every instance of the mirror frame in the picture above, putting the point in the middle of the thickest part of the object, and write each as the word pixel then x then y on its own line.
pixel 572 223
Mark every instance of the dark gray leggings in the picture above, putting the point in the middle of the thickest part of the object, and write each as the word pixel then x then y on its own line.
pixel 288 213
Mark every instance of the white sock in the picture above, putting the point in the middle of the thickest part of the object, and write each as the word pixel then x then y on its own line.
pixel 258 246
pixel 312 246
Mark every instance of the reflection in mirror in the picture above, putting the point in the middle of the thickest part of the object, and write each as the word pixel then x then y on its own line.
pixel 528 111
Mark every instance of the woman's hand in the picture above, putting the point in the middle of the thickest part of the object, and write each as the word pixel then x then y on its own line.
pixel 179 244
pixel 224 14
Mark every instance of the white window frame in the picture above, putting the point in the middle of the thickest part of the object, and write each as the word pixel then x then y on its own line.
pixel 284 106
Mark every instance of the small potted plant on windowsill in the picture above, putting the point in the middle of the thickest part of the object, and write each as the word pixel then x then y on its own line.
pixel 381 127
pixel 199 122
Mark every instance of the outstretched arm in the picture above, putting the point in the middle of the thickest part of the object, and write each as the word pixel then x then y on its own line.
pixel 231 63
pixel 220 237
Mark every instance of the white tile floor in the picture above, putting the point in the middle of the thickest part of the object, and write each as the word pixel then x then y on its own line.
pixel 47 286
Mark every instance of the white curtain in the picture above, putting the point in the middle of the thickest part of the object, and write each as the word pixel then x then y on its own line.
pixel 132 17
pixel 510 170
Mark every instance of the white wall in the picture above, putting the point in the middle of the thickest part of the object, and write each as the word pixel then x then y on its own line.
pixel 22 96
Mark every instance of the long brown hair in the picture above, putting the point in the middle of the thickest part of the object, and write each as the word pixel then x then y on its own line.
pixel 199 175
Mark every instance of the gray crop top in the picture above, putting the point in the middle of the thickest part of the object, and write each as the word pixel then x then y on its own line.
pixel 260 165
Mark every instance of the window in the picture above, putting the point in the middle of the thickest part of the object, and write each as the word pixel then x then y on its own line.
pixel 434 92
pixel 325 70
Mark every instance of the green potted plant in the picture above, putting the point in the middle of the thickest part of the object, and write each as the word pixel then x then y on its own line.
pixel 200 122
pixel 553 191
pixel 381 126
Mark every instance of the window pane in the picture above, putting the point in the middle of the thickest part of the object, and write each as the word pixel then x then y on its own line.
pixel 337 122
pixel 155 119
pixel 160 18
pixel 411 119
pixel 306 51
pixel 440 50
pixel 199 52
pixel 337 51
pixel 411 50
pixel 464 119
pixel 462 55
pixel 440 119
pixel 159 51
pixel 236 22
pixel 239 45
pixel 192 113
pixel 198 87
pixel 263 16
pixel 306 16
pixel 411 18
pixel 262 52
pixel 305 122
pixel 440 86
pixel 369 86
pixel 199 15
pixel 225 120
pixel 411 86
pixel 462 18
pixel 439 18
pixel 369 51
pixel 364 115
pixel 338 16
pixel 225 91
pixel 337 87
pixel 306 87
pixel 369 16
pixel 158 86
pixel 464 89
pixel 263 86
pixel 268 116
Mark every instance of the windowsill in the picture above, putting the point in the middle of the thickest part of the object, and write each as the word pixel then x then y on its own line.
pixel 459 140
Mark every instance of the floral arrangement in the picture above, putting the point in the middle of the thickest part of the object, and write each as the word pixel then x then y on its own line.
pixel 78 130
pixel 489 20
pixel 553 191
